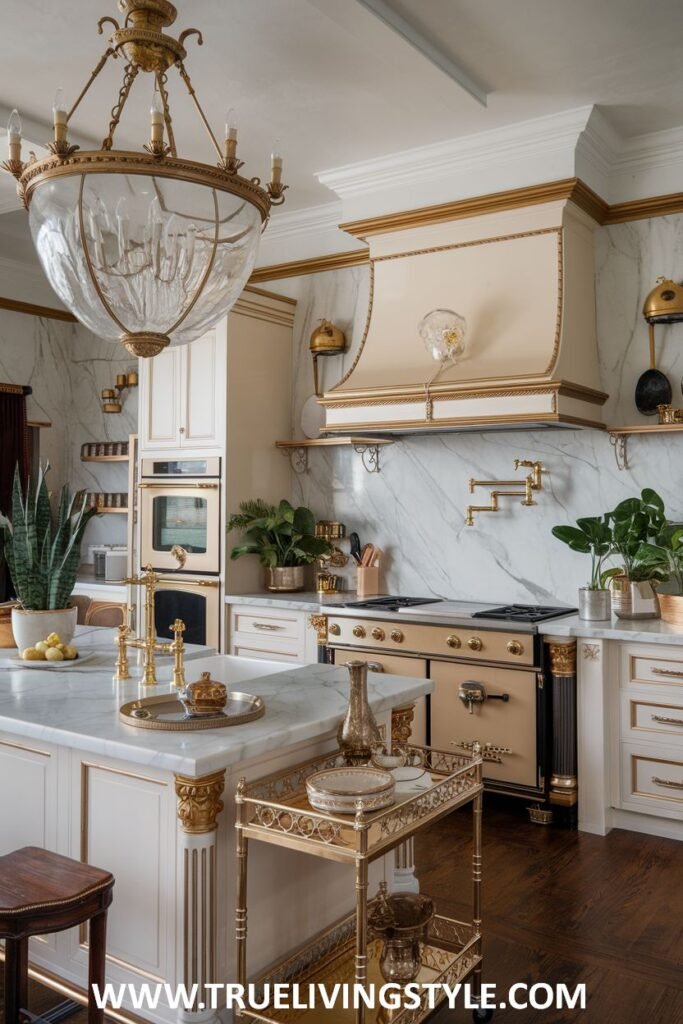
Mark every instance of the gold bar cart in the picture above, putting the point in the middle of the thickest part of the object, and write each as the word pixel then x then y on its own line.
pixel 276 810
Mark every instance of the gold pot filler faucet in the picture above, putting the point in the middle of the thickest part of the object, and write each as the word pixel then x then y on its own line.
pixel 532 483
pixel 150 645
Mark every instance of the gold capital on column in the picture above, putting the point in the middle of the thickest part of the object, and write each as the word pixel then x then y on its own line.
pixel 401 723
pixel 199 801
pixel 562 658
pixel 319 624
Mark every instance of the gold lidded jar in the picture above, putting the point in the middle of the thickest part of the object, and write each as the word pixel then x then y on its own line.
pixel 358 733
pixel 205 696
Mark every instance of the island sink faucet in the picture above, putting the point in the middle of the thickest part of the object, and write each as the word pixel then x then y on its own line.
pixel 150 645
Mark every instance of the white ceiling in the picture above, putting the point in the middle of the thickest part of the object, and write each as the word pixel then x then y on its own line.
pixel 338 86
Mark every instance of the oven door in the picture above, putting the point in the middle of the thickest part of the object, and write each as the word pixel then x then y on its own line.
pixel 196 602
pixel 491 704
pixel 180 526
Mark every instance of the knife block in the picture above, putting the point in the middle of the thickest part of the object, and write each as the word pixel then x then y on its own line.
pixel 367 584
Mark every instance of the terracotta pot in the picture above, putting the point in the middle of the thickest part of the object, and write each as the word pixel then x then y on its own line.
pixel 671 606
pixel 29 627
pixel 285 578
pixel 6 634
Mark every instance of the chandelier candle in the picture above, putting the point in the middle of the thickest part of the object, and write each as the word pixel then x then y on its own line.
pixel 144 247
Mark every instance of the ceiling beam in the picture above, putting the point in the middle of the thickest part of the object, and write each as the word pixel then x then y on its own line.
pixel 397 23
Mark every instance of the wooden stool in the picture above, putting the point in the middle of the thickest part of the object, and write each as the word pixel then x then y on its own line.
pixel 40 893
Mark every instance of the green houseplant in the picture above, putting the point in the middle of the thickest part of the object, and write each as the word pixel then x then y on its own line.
pixel 635 523
pixel 43 553
pixel 282 536
pixel 591 536
pixel 665 556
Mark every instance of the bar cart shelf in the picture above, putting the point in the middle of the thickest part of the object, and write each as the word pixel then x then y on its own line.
pixel 276 810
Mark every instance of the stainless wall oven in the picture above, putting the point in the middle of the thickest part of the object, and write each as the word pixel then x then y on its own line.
pixel 180 515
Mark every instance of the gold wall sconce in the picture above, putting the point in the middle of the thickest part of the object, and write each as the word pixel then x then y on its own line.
pixel 111 397
pixel 326 340
pixel 531 484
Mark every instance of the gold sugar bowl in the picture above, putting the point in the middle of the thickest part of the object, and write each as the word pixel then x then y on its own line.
pixel 204 697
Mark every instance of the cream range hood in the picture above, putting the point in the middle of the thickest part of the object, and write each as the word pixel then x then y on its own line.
pixel 524 281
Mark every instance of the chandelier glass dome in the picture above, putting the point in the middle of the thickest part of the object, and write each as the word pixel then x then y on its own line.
pixel 144 247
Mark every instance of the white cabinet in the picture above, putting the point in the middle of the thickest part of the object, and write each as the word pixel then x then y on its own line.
pixel 182 390
pixel 276 634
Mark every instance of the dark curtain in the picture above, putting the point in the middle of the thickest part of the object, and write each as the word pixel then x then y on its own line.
pixel 14 449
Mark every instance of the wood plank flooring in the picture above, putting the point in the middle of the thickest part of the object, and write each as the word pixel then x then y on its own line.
pixel 559 907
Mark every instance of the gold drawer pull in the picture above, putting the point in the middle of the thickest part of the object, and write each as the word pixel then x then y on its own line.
pixel 669 783
pixel 665 672
pixel 267 626
pixel 667 721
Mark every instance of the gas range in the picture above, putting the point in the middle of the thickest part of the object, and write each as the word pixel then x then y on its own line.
pixel 519 615
pixel 387 603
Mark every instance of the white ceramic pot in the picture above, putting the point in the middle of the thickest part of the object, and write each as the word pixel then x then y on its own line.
pixel 30 627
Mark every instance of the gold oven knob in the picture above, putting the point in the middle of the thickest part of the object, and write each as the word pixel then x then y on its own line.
pixel 358 631
pixel 514 647
pixel 377 633
pixel 474 643
pixel 454 641
pixel 397 636
pixel 334 629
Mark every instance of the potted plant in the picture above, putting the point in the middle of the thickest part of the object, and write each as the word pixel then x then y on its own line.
pixel 591 536
pixel 665 555
pixel 635 523
pixel 284 539
pixel 43 554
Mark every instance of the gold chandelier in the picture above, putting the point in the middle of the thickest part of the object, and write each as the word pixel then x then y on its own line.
pixel 146 248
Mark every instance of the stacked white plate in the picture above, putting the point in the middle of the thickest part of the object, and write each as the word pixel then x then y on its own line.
pixel 346 790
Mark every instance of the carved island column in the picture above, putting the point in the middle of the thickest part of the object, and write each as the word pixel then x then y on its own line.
pixel 199 804
pixel 319 624
pixel 564 788
pixel 405 879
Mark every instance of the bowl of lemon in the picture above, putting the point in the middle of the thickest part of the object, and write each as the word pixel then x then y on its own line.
pixel 51 650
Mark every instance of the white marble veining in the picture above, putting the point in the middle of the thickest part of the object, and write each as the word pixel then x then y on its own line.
pixel 414 508
pixel 68 367
pixel 650 631
pixel 81 710
pixel 304 601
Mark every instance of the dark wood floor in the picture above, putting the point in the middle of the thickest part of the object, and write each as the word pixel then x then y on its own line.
pixel 560 907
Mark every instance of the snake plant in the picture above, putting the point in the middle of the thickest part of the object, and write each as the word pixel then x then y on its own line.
pixel 43 551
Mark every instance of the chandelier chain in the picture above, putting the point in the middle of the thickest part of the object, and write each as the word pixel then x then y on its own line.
pixel 129 77
pixel 190 88
pixel 161 80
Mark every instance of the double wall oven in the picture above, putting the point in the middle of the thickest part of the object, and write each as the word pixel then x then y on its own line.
pixel 180 537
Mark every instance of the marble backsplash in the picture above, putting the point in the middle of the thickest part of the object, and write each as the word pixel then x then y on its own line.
pixel 68 367
pixel 414 508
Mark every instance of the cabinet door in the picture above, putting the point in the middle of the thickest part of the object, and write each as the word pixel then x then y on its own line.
pixel 160 401
pixel 203 388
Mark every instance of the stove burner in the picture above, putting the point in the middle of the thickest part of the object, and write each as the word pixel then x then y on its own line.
pixel 391 604
pixel 523 612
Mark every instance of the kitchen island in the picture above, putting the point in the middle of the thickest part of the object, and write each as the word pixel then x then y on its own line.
pixel 156 809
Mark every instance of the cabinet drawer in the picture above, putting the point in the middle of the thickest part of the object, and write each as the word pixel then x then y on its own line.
pixel 245 650
pixel 268 624
pixel 645 720
pixel 438 641
pixel 652 782
pixel 659 669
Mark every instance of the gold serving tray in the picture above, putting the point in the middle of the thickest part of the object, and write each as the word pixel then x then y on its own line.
pixel 166 713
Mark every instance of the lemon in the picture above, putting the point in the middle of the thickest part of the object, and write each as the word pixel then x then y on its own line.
pixel 42 645
pixel 31 654
pixel 54 654
pixel 53 640
pixel 70 652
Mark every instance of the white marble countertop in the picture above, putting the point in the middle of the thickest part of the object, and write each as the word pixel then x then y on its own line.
pixel 651 631
pixel 79 708
pixel 301 601
pixel 99 642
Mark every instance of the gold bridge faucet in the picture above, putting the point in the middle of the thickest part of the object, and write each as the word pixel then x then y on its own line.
pixel 150 645
pixel 531 483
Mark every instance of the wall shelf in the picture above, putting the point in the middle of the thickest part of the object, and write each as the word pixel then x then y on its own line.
pixel 619 437
pixel 106 510
pixel 105 458
pixel 367 447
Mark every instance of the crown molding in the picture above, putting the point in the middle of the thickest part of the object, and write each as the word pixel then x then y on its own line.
pixel 313 265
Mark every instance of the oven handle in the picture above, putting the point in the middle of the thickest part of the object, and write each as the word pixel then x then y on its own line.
pixel 179 487
pixel 188 583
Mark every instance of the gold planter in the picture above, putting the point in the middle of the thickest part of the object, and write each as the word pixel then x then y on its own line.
pixel 285 578
pixel 671 607
pixel 634 600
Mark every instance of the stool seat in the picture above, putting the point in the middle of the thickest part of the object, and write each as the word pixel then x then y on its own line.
pixel 42 892
pixel 34 880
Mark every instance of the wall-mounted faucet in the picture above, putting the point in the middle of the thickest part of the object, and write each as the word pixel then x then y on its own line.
pixel 531 483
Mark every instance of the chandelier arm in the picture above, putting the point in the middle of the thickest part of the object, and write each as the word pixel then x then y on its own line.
pixel 129 77
pixel 88 261
pixel 209 268
pixel 161 80
pixel 95 72
pixel 190 88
